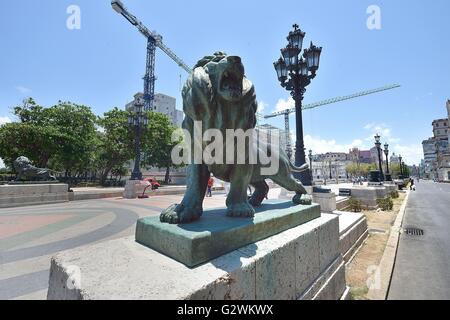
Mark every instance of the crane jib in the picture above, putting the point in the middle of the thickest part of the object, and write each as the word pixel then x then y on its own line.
pixel 333 100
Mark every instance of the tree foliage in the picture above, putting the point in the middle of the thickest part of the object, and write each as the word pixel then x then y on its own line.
pixel 60 136
pixel 360 169
pixel 69 138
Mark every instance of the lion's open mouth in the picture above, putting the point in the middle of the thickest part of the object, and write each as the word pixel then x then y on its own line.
pixel 232 81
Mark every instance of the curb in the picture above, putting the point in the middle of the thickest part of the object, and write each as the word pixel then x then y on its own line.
pixel 386 266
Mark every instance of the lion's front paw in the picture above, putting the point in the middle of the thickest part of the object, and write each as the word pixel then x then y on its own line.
pixel 243 210
pixel 302 199
pixel 179 214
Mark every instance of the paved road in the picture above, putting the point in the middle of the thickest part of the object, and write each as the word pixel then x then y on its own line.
pixel 422 266
pixel 29 236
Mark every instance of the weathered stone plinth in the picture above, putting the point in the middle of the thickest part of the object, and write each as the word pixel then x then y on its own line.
pixel 301 263
pixel 369 195
pixel 216 234
pixel 352 232
pixel 327 201
pixel 132 189
pixel 32 194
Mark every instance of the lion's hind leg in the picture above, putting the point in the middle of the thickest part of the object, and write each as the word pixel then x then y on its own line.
pixel 260 193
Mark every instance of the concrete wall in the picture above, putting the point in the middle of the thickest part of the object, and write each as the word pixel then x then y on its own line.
pixel 300 263
pixel 32 194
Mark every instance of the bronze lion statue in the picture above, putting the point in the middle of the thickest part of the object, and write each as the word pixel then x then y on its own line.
pixel 26 171
pixel 219 96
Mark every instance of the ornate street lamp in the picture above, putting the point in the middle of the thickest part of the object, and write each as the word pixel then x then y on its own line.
pixel 310 164
pixel 378 146
pixel 401 169
pixel 138 120
pixel 295 72
pixel 386 152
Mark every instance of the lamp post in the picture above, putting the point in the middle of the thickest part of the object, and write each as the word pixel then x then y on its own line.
pixel 295 72
pixel 401 169
pixel 138 120
pixel 378 146
pixel 329 162
pixel 310 164
pixel 386 152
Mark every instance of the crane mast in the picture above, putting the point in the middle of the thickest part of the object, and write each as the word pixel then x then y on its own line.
pixel 154 41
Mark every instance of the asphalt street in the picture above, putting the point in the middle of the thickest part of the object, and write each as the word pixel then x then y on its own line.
pixel 422 265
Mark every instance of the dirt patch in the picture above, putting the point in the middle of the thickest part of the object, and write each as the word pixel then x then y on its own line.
pixel 367 259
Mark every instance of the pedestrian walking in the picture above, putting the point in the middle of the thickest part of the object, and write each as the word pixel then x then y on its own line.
pixel 411 185
pixel 210 185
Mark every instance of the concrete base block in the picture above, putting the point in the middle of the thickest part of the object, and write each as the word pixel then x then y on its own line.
pixel 352 232
pixel 300 263
pixel 132 189
pixel 32 194
pixel 327 201
pixel 369 195
pixel 216 234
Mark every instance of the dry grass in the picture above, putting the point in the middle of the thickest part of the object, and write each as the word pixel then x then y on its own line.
pixel 359 269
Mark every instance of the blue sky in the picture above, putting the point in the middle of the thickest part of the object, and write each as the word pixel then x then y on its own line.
pixel 101 64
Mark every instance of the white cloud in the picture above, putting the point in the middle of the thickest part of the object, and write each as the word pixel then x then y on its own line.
pixel 319 145
pixel 2 164
pixel 4 120
pixel 284 104
pixel 261 106
pixel 23 90
pixel 412 154
pixel 383 130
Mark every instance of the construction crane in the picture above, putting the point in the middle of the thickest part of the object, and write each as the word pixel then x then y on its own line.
pixel 154 40
pixel 287 112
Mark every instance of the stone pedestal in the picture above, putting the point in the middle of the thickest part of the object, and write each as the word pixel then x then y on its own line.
pixel 300 263
pixel 132 189
pixel 32 194
pixel 352 232
pixel 327 201
pixel 216 234
pixel 369 195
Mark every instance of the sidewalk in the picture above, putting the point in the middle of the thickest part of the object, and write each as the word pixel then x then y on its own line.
pixel 90 193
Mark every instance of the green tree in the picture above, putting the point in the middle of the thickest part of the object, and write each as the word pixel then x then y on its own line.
pixel 115 145
pixel 61 136
pixel 360 169
pixel 394 169
pixel 30 140
pixel 157 144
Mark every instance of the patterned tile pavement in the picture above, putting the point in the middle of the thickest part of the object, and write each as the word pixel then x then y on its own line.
pixel 29 236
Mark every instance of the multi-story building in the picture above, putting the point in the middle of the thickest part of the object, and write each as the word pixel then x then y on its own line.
pixel 394 158
pixel 167 105
pixel 360 156
pixel 440 129
pixel 162 103
pixel 269 132
pixel 436 150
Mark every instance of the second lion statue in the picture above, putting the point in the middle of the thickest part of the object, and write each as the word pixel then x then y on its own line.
pixel 219 96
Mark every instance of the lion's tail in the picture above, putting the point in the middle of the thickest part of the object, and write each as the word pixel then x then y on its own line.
pixel 304 167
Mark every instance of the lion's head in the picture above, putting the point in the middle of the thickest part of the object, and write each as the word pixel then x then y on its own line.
pixel 226 74
pixel 21 162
